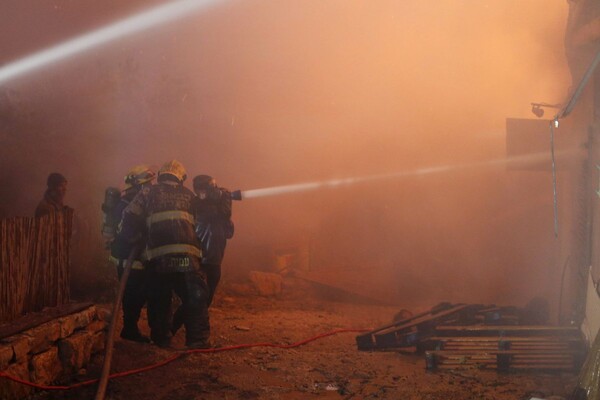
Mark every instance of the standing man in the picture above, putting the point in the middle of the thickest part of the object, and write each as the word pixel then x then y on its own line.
pixel 174 255
pixel 213 226
pixel 54 196
pixel 212 211
pixel 134 296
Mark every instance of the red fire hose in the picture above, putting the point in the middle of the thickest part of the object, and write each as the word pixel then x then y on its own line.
pixel 175 357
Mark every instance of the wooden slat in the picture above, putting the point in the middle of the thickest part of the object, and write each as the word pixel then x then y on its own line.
pixel 504 359
pixel 459 353
pixel 523 329
pixel 367 341
pixel 429 317
pixel 512 339
pixel 34 263
pixel 408 333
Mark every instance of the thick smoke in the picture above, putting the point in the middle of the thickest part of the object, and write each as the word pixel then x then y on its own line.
pixel 266 93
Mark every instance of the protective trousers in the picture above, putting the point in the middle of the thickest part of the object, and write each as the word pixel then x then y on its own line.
pixel 213 276
pixel 134 298
pixel 192 289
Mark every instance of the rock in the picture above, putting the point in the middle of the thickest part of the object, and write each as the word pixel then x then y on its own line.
pixel 75 351
pixel 21 345
pixel 267 284
pixel 46 367
pixel 10 390
pixel 7 355
pixel 98 341
pixel 241 328
pixel 67 326
pixel 104 314
pixel 97 326
pixel 83 318
pixel 44 336
pixel 73 322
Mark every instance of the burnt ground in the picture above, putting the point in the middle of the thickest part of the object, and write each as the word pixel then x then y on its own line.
pixel 327 368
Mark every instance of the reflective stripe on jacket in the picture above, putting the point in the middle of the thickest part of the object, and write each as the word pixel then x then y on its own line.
pixel 174 249
pixel 169 216
pixel 120 262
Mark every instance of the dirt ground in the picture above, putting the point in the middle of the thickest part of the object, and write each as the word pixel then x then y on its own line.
pixel 330 367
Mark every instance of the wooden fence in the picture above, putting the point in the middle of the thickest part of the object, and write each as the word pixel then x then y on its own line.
pixel 34 263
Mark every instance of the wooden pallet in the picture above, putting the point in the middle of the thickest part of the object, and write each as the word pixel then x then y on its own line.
pixel 504 360
pixel 478 336
pixel 502 330
pixel 506 348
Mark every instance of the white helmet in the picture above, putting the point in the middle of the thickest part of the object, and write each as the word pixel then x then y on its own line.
pixel 174 168
pixel 138 175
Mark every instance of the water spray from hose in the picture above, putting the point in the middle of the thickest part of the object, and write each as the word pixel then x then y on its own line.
pixel 336 183
pixel 137 23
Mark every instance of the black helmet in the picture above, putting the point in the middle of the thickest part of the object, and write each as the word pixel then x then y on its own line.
pixel 204 182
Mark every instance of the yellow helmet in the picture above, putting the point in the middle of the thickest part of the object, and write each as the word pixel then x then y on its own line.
pixel 138 175
pixel 174 168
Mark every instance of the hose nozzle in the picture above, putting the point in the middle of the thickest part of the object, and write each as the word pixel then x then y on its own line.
pixel 236 195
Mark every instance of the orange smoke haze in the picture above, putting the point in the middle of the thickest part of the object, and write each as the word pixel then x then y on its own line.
pixel 265 93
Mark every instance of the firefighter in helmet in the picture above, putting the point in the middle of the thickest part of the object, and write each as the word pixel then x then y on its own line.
pixel 213 228
pixel 173 253
pixel 134 296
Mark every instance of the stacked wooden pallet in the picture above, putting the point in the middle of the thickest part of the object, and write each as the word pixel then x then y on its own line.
pixel 477 336
pixel 506 348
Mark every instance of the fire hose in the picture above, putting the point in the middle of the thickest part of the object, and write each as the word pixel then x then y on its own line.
pixel 177 356
pixel 110 339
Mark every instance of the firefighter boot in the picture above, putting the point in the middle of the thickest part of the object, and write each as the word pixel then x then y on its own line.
pixel 131 332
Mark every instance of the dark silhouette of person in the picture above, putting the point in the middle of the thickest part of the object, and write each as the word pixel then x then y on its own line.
pixel 213 225
pixel 53 200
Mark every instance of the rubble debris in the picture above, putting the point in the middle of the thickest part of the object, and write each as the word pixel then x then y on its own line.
pixel 241 328
pixel 267 284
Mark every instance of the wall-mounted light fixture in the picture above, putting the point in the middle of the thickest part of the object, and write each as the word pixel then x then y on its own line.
pixel 538 108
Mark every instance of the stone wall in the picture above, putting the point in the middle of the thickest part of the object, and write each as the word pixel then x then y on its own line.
pixel 51 352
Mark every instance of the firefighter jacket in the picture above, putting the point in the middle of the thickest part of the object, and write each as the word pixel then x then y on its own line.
pixel 120 247
pixel 213 226
pixel 166 210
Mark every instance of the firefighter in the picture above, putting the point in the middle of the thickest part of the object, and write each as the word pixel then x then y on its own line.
pixel 174 255
pixel 134 296
pixel 213 226
pixel 212 212
pixel 54 196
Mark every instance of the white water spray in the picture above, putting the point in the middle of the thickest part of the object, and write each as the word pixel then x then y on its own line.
pixel 303 187
pixel 128 26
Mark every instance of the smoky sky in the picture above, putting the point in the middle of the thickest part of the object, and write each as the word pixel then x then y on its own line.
pixel 265 93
